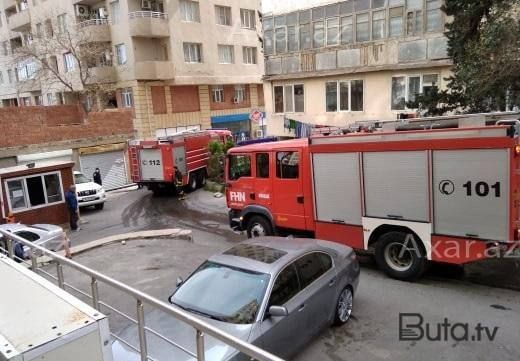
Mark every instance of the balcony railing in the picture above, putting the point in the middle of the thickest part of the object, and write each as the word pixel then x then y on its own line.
pixel 92 22
pixel 147 14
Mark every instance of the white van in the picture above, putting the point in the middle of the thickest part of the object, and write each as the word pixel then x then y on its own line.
pixel 89 193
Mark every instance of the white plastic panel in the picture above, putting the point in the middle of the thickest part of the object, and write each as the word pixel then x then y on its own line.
pixel 396 185
pixel 151 164
pixel 471 193
pixel 337 187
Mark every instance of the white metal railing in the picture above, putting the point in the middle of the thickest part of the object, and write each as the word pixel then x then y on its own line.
pixel 201 328
pixel 92 22
pixel 147 14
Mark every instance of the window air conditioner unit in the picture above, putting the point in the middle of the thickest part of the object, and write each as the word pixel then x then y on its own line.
pixel 146 4
pixel 236 100
pixel 259 133
pixel 82 10
pixel 102 13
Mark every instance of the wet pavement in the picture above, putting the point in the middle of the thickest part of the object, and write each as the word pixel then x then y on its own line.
pixel 137 210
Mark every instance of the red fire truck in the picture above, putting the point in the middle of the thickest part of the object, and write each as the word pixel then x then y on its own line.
pixel 413 196
pixel 153 162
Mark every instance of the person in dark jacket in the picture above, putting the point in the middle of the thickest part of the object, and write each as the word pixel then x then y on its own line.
pixel 72 206
pixel 97 176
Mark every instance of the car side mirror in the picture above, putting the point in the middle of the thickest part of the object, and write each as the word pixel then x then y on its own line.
pixel 278 311
pixel 179 282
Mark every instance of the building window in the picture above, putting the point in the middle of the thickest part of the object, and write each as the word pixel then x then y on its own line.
pixel 114 10
pixel 127 97
pixel 39 30
pixel 223 15
pixel 434 15
pixel 249 55
pixel 5 48
pixel 217 93
pixel 347 33
pixel 70 63
pixel 62 23
pixel 190 11
pixel 1 78
pixel 34 191
pixel 268 42
pixel 248 18
pixel 396 21
pixel 305 36
pixel 414 22
pixel 51 99
pixel 318 34
pixel 289 98
pixel 240 94
pixel 121 54
pixel 339 96
pixel 280 40
pixel 292 38
pixel 192 53
pixel 406 88
pixel 333 31
pixel 10 76
pixel 378 25
pixel 362 27
pixel 226 54
pixel 48 28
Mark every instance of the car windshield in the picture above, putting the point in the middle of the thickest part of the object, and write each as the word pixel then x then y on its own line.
pixel 80 178
pixel 222 292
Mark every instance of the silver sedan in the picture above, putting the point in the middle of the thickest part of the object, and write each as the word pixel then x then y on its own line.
pixel 277 293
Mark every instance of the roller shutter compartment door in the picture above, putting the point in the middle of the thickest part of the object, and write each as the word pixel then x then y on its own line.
pixel 471 193
pixel 396 185
pixel 111 165
pixel 337 187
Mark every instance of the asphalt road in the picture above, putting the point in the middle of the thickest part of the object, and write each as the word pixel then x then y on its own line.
pixel 134 209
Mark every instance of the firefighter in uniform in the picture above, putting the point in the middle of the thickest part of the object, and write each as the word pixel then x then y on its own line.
pixel 178 185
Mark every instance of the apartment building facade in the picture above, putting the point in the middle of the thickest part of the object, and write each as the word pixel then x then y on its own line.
pixel 335 63
pixel 179 64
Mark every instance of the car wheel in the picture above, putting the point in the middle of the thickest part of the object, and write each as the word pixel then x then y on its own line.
pixel 399 258
pixel 259 226
pixel 99 206
pixel 344 306
pixel 192 182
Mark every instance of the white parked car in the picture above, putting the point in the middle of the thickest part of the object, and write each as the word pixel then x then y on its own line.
pixel 45 235
pixel 89 193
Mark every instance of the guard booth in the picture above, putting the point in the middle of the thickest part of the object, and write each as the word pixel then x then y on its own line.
pixel 35 192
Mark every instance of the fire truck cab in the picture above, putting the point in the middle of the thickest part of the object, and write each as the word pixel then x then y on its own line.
pixel 413 196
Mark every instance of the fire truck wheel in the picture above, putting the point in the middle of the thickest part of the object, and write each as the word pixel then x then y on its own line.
pixel 192 182
pixel 259 226
pixel 399 256
pixel 201 181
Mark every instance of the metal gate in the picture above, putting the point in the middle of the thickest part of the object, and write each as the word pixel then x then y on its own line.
pixel 111 165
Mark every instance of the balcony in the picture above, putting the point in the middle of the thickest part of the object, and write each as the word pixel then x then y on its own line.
pixel 97 29
pixel 102 74
pixel 20 21
pixel 148 24
pixel 153 70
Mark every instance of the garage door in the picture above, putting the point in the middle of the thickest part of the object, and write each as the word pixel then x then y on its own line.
pixel 111 165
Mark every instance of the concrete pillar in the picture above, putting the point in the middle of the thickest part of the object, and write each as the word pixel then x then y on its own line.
pixel 253 93
pixel 76 160
pixel 168 95
pixel 142 109
pixel 205 111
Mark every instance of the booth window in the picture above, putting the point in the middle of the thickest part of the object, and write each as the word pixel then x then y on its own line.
pixel 34 191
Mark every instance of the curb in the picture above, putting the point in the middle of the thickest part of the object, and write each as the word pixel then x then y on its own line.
pixel 172 233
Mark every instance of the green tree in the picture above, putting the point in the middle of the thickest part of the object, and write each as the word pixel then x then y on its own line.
pixel 484 43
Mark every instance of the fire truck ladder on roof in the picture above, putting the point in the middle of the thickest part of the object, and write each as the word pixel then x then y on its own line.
pixel 200 327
